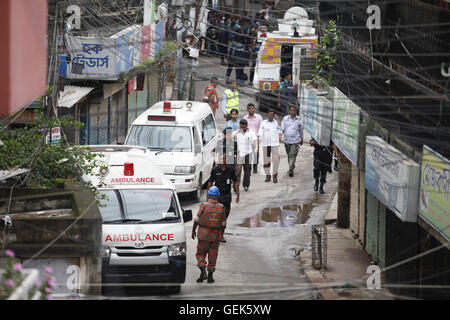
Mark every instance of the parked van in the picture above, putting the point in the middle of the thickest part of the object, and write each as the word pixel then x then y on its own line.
pixel 181 136
pixel 144 239
pixel 282 52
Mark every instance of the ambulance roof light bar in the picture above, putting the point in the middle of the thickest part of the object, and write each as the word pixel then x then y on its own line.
pixel 128 169
pixel 167 106
pixel 263 31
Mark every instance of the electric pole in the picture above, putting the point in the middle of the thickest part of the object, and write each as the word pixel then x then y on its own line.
pixel 200 11
pixel 52 96
pixel 178 80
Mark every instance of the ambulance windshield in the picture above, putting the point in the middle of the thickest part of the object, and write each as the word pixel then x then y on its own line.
pixel 166 138
pixel 139 206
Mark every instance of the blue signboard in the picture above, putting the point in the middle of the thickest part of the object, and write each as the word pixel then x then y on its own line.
pixel 393 178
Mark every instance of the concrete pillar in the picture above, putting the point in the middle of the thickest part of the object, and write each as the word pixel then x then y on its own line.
pixel 344 191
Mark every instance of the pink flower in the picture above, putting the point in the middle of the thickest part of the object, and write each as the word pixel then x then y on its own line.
pixel 38 283
pixel 49 297
pixel 48 270
pixel 9 253
pixel 18 267
pixel 48 290
pixel 10 283
pixel 51 283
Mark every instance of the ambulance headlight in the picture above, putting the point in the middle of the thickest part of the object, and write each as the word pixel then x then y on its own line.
pixel 106 252
pixel 185 169
pixel 177 250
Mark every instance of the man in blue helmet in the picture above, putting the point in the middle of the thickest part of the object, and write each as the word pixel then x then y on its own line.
pixel 223 175
pixel 211 219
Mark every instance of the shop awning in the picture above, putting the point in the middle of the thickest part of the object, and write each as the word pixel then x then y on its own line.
pixel 71 95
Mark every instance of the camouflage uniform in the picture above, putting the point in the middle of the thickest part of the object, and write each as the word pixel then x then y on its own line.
pixel 211 219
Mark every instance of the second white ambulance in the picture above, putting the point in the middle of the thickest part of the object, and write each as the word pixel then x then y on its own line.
pixel 144 238
pixel 181 136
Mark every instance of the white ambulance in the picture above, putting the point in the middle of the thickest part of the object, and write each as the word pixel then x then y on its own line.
pixel 181 136
pixel 144 238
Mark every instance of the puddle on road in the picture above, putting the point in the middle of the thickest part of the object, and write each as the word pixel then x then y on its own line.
pixel 286 216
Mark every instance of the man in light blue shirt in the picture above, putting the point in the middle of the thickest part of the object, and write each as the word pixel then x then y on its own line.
pixel 292 137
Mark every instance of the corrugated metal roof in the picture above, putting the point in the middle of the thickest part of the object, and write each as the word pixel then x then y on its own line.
pixel 71 95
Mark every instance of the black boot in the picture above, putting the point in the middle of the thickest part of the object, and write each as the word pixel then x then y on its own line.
pixel 202 274
pixel 316 185
pixel 321 188
pixel 210 277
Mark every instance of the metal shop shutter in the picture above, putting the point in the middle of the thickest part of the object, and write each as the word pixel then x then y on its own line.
pixel 372 225
pixel 93 126
pixel 154 92
pixel 132 108
pixel 402 243
pixel 103 124
pixel 114 126
pixel 381 258
pixel 122 114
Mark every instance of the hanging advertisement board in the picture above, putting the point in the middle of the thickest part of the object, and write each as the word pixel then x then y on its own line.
pixel 393 178
pixel 434 203
pixel 104 58
pixel 95 55
pixel 345 132
pixel 316 114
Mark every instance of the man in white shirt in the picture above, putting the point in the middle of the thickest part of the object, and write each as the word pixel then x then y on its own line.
pixel 254 122
pixel 247 143
pixel 270 136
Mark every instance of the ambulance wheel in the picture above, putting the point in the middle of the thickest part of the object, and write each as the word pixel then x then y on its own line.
pixel 197 194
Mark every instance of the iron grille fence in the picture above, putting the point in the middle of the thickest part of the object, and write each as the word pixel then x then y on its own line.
pixel 319 246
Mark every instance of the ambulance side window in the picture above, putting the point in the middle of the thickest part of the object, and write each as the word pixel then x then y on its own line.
pixel 197 143
pixel 204 133
pixel 210 127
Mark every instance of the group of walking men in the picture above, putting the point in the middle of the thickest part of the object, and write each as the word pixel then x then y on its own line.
pixel 239 151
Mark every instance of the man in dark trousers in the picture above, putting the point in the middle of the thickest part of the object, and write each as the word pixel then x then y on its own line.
pixel 323 156
pixel 223 37
pixel 238 57
pixel 223 175
pixel 211 219
pixel 254 50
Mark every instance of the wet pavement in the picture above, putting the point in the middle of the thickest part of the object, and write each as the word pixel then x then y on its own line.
pixel 283 217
